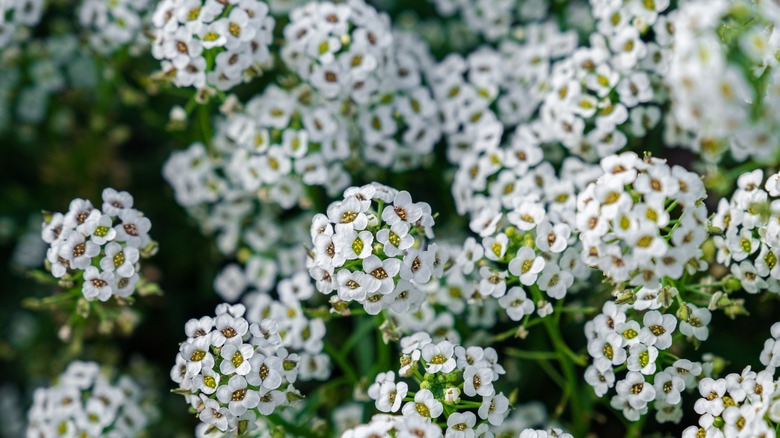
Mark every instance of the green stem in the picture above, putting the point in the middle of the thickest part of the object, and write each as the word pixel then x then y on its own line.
pixel 341 362
pixel 532 355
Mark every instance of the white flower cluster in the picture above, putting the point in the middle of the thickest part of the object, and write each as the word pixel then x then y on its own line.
pixel 299 333
pixel 616 342
pixel 643 221
pixel 548 433
pixel 750 222
pixel 104 245
pixel 737 406
pixel 114 25
pixel 400 125
pixel 340 49
pixel 452 375
pixel 232 371
pixel 490 89
pixel 723 78
pixel 16 16
pixel 370 248
pixel 283 142
pixel 45 67
pixel 212 43
pixel 87 402
pixel 492 19
pixel 217 199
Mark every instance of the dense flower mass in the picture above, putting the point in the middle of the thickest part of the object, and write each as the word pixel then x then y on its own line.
pixel 371 248
pixel 87 401
pixel 212 43
pixel 602 174
pixel 16 19
pixel 341 49
pixel 116 24
pixel 232 372
pixel 643 221
pixel 103 246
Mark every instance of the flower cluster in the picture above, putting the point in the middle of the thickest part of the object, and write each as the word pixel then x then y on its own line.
pixel 15 17
pixel 722 77
pixel 209 43
pixel 340 49
pixel 218 200
pixel 493 20
pixel 298 332
pixel 369 247
pixel 740 404
pixel 114 25
pixel 616 342
pixel 750 223
pixel 87 402
pixel 447 375
pixel 231 371
pixel 102 246
pixel 399 126
pixel 643 221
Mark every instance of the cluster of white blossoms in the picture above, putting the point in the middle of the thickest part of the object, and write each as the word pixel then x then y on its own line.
pixel 643 221
pixel 493 19
pixel 533 82
pixel 616 343
pixel 16 19
pixel 399 126
pixel 542 433
pixel 370 248
pixel 114 25
pixel 750 225
pixel 86 401
pixel 210 43
pixel 298 332
pixel 103 245
pixel 46 67
pixel 215 197
pixel 283 142
pixel 745 404
pixel 446 374
pixel 723 80
pixel 340 49
pixel 232 372
pixel 524 214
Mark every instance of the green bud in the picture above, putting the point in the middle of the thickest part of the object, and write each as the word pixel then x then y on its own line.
pixel 684 312
pixel 718 422
pixel 732 284
pixel 425 384
pixel 626 297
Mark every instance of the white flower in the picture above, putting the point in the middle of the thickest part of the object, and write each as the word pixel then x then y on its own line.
pixel 658 329
pixel 478 380
pixel 439 357
pixel 266 371
pixel 494 409
pixel 119 259
pixel 526 265
pixel 424 405
pixel 516 303
pixel 391 396
pixel 642 358
pixel 236 359
pixel 461 425
pixel 97 284
pixel 668 387
pixel 697 323
pixel 635 390
pixel 600 380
